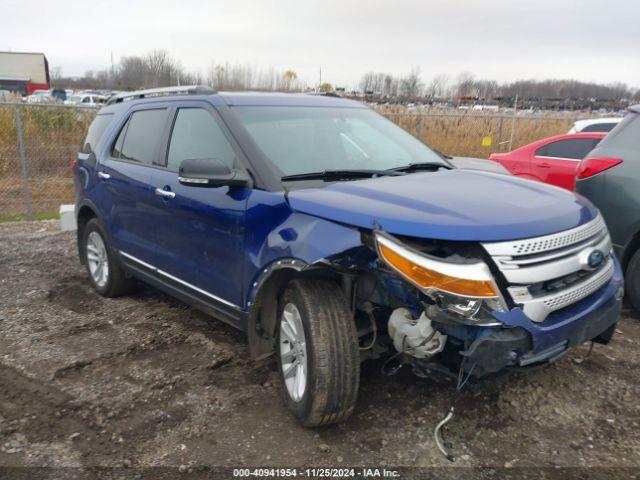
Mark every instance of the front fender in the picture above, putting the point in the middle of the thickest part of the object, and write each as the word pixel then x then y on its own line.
pixel 298 243
pixel 282 243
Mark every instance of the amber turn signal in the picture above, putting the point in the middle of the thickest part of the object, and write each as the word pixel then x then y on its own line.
pixel 427 273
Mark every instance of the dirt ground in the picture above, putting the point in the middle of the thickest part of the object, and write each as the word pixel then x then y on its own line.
pixel 148 381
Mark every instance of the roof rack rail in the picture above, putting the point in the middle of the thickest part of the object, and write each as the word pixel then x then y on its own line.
pixel 158 92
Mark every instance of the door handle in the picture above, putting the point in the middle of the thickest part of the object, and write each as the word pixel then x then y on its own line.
pixel 544 165
pixel 104 175
pixel 165 193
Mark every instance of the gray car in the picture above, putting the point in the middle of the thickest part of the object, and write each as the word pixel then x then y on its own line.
pixel 610 178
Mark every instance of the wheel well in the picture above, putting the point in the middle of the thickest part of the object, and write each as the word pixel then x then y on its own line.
pixel 263 318
pixel 84 215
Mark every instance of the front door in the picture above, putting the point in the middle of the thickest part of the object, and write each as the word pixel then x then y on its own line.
pixel 200 231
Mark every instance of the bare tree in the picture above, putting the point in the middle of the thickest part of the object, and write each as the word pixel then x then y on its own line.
pixel 162 69
pixel 438 86
pixel 465 85
pixel 131 72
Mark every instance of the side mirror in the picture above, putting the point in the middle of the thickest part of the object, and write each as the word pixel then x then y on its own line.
pixel 211 172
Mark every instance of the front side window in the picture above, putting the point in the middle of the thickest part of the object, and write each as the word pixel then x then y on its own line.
pixel 197 135
pixel 312 139
pixel 139 138
pixel 574 148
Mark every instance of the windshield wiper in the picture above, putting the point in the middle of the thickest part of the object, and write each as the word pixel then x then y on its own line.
pixel 337 175
pixel 419 167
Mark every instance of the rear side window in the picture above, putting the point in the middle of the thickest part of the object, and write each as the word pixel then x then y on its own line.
pixel 139 138
pixel 575 148
pixel 97 128
pixel 599 127
pixel 196 134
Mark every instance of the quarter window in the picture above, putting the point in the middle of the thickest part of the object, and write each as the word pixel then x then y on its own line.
pixel 97 128
pixel 575 148
pixel 139 138
pixel 196 134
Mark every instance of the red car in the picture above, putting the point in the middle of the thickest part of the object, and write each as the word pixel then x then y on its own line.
pixel 553 160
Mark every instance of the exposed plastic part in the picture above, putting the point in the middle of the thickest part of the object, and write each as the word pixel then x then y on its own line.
pixel 417 338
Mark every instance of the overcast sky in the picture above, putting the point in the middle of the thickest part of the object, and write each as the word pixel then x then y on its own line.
pixel 499 39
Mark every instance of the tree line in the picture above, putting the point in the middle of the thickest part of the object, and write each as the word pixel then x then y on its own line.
pixel 158 68
pixel 467 86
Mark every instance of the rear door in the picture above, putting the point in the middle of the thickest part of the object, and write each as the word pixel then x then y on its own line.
pixel 556 162
pixel 124 175
pixel 200 231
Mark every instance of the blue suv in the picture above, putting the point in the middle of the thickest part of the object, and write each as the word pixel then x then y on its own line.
pixel 330 236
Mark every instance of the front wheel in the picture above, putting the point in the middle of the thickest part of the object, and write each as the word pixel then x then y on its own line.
pixel 317 346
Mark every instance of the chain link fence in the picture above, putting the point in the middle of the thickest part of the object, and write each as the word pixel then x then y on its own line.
pixel 480 134
pixel 38 143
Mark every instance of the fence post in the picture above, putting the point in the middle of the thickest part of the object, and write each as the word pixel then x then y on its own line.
pixel 419 126
pixel 499 145
pixel 23 165
pixel 513 123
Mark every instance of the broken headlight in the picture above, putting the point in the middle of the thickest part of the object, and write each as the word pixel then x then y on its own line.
pixel 465 289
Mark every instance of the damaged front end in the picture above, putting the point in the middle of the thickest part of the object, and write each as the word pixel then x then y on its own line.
pixel 443 305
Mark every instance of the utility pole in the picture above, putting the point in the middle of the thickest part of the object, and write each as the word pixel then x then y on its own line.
pixel 113 71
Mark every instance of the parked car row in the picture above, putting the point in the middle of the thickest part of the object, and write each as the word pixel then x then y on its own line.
pixel 88 98
pixel 332 236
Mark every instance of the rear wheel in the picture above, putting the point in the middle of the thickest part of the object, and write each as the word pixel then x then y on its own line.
pixel 105 273
pixel 632 280
pixel 318 358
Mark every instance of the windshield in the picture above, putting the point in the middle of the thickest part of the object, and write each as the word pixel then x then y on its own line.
pixel 313 139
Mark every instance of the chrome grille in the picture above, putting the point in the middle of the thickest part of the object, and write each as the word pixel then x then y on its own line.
pixel 528 263
pixel 547 242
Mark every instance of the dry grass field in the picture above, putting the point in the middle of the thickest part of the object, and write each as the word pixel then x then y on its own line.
pixel 461 134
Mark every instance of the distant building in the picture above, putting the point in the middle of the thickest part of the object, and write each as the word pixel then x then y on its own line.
pixel 24 73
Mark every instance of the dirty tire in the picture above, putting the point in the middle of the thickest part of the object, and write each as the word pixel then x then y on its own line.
pixel 333 363
pixel 118 283
pixel 632 280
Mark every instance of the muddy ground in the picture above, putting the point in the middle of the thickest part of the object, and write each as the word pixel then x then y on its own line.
pixel 148 381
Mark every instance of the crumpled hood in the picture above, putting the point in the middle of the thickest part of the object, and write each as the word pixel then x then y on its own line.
pixel 448 205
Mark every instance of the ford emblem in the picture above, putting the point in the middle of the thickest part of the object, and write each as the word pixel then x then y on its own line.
pixel 595 259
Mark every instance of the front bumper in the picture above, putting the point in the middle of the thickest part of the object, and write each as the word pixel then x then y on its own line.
pixel 528 343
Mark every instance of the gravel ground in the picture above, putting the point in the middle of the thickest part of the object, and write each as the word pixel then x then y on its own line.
pixel 148 381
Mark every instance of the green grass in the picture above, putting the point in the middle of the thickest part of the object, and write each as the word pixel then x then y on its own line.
pixel 21 217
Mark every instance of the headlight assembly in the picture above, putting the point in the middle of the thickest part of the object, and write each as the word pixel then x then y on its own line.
pixel 461 288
